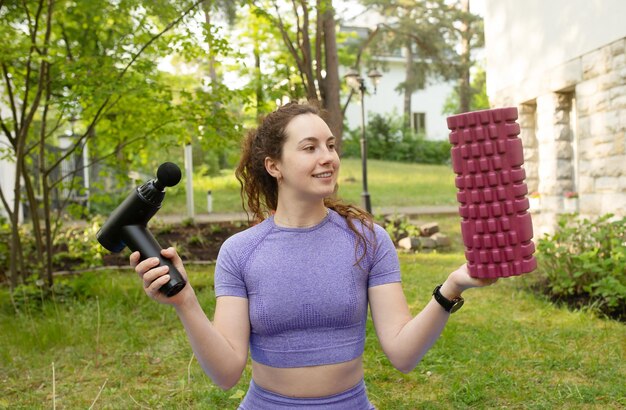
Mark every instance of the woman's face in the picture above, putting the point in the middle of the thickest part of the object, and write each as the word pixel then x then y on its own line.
pixel 309 164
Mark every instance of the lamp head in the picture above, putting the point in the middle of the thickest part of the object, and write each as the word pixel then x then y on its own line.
pixel 352 79
pixel 375 76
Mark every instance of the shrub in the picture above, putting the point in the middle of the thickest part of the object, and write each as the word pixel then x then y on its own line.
pixel 30 261
pixel 74 246
pixel 398 227
pixel 81 244
pixel 387 139
pixel 585 261
pixel 33 294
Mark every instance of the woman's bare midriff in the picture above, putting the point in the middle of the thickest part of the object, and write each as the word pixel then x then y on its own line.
pixel 313 381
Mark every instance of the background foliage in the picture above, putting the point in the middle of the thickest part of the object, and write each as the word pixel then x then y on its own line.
pixel 388 139
pixel 584 263
pixel 82 77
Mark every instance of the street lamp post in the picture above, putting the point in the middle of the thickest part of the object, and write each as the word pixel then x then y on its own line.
pixel 357 83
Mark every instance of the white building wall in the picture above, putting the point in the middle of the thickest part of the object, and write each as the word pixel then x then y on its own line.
pixel 526 38
pixel 389 101
pixel 563 64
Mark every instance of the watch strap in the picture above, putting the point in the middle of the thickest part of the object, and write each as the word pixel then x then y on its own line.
pixel 448 305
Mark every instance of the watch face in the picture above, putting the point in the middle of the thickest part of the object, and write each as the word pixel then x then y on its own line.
pixel 457 305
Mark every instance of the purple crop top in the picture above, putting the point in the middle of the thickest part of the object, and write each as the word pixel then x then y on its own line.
pixel 307 298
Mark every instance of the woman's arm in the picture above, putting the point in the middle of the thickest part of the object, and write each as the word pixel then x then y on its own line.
pixel 221 346
pixel 406 339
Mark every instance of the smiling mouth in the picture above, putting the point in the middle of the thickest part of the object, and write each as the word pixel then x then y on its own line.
pixel 323 175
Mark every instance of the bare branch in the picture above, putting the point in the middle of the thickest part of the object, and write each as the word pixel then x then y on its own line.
pixel 287 40
pixel 345 106
pixel 83 137
pixel 27 12
pixel 7 132
pixel 44 122
pixel 305 48
pixel 120 40
pixel 33 27
pixel 7 81
pixel 2 198
pixel 318 48
pixel 43 70
pixel 366 44
pixel 50 132
pixel 357 62
pixel 57 125
pixel 298 31
pixel 424 45
pixel 68 49
pixel 6 144
pixel 301 54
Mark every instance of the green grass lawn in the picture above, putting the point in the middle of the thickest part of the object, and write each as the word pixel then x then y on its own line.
pixel 505 349
pixel 418 184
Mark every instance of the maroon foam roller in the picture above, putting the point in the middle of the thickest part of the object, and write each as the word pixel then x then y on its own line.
pixel 487 158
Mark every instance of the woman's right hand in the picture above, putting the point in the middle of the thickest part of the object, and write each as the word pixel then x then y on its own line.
pixel 154 276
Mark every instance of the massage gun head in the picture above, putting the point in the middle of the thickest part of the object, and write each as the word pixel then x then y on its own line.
pixel 153 191
pixel 168 174
pixel 139 207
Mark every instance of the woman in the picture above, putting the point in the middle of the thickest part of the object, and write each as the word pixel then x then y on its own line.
pixel 295 287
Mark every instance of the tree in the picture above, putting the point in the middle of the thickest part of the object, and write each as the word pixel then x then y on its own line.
pixel 92 65
pixel 470 36
pixel 228 9
pixel 429 33
pixel 478 100
pixel 313 47
pixel 273 75
pixel 420 29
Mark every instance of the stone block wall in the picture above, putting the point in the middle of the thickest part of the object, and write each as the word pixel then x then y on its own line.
pixel 573 127
pixel 601 109
pixel 528 126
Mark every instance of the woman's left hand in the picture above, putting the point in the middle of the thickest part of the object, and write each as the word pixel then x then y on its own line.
pixel 460 280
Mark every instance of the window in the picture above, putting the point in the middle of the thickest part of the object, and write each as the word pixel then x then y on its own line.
pixel 418 122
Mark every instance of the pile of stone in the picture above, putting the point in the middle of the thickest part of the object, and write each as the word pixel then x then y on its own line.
pixel 428 238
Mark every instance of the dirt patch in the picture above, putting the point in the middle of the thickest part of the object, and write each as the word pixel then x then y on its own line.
pixel 194 242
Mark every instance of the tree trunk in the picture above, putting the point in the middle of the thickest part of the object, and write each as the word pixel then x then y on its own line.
pixel 206 6
pixel 408 83
pixel 16 274
pixel 331 82
pixel 49 279
pixel 318 88
pixel 304 43
pixel 33 205
pixel 259 85
pixel 213 74
pixel 16 252
pixel 465 91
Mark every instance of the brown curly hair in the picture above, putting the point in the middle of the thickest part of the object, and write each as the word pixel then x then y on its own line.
pixel 259 190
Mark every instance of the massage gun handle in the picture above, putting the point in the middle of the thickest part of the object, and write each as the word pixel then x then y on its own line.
pixel 139 238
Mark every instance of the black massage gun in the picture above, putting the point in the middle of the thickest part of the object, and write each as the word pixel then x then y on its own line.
pixel 127 225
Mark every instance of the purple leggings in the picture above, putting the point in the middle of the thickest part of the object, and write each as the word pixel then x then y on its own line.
pixel 354 398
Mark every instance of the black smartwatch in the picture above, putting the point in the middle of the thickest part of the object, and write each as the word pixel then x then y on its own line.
pixel 449 305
